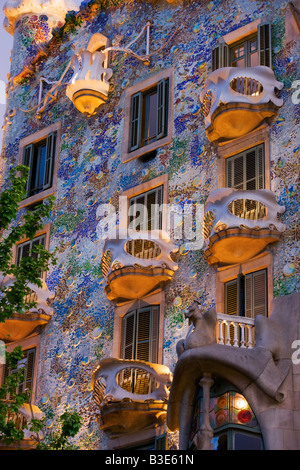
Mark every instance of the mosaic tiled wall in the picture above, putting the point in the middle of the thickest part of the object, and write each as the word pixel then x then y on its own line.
pixel 91 172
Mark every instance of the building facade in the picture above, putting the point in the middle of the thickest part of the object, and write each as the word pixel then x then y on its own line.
pixel 168 132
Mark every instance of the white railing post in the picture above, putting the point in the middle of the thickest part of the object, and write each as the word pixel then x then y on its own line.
pixel 220 338
pixel 235 337
pixel 242 340
pixel 227 333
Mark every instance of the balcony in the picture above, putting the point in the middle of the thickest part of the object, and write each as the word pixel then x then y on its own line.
pixel 131 395
pixel 137 265
pixel 22 421
pixel 238 100
pixel 239 224
pixel 235 331
pixel 21 325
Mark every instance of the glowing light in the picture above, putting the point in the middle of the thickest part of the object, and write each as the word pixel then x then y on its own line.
pixel 240 402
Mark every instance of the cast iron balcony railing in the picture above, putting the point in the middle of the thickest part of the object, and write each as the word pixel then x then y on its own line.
pixel 137 265
pixel 131 395
pixel 237 100
pixel 239 224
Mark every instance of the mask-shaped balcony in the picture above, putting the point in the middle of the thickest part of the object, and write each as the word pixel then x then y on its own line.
pixel 238 100
pixel 239 224
pixel 131 395
pixel 21 325
pixel 137 265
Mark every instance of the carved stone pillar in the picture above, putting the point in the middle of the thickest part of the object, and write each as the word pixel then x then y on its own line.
pixel 205 434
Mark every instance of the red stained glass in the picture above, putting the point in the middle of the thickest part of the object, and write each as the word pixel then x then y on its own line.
pixel 244 416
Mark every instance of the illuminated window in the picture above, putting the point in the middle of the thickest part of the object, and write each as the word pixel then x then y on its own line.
pixel 233 422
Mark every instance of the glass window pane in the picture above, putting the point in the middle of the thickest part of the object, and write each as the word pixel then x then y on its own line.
pixel 150 131
pixel 219 442
pixel 247 442
pixel 240 63
pixel 254 59
pixel 41 169
pixel 253 45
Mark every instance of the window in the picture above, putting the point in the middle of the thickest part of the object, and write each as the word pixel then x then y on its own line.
pixel 40 151
pixel 139 342
pixel 39 157
pixel 140 334
pixel 250 51
pixel 149 113
pixel 145 211
pixel 247 295
pixel 246 169
pixel 232 419
pixel 27 362
pixel 25 249
pixel 148 116
pixel 245 54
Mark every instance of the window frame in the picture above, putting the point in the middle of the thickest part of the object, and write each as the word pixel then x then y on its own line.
pixel 226 274
pixel 44 232
pixel 241 282
pixel 132 201
pixel 137 191
pixel 243 144
pixel 33 342
pixel 135 342
pixel 247 54
pixel 221 54
pixel 157 299
pixel 32 141
pixel 259 185
pixel 129 151
pixel 9 371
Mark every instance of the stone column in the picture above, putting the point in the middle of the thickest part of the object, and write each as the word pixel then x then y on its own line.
pixel 205 434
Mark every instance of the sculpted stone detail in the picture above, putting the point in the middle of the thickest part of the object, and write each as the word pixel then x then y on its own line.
pixel 162 257
pixel 239 224
pixel 248 95
pixel 202 331
pixel 219 200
